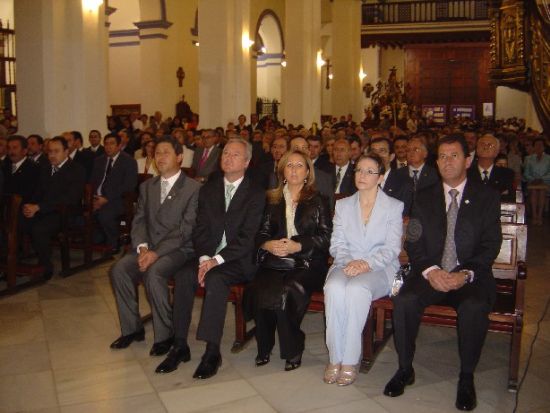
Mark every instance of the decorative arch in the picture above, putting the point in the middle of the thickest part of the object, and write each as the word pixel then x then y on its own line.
pixel 269 14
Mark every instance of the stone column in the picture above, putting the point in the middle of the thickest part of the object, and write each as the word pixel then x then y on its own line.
pixel 224 61
pixel 61 55
pixel 346 58
pixel 302 76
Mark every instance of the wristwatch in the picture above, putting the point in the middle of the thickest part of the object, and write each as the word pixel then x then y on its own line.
pixel 468 275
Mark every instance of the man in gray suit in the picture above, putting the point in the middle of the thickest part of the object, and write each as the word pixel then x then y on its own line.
pixel 161 243
pixel 206 159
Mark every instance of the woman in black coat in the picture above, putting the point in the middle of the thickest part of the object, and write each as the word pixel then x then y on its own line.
pixel 293 244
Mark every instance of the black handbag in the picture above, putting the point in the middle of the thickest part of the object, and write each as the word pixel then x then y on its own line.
pixel 273 262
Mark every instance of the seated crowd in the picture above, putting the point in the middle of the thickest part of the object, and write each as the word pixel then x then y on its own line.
pixel 265 205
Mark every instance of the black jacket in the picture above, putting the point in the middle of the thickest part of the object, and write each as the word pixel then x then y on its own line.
pixel 314 226
pixel 501 179
pixel 24 181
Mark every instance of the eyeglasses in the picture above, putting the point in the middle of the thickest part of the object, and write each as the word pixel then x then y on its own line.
pixel 360 171
pixel 487 145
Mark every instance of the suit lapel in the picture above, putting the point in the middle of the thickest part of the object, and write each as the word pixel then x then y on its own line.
pixel 178 185
pixel 155 194
pixel 238 197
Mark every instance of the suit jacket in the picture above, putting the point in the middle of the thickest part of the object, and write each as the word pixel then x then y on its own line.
pixel 477 234
pixel 400 185
pixel 123 178
pixel 312 222
pixel 378 243
pixel 325 185
pixel 210 165
pixel 42 161
pixel 347 186
pixel 85 159
pixel 263 173
pixel 501 179
pixel 323 163
pixel 99 151
pixel 24 181
pixel 240 222
pixel 167 228
pixel 65 187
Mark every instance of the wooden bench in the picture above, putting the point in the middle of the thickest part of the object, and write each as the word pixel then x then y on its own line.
pixel 512 212
pixel 510 272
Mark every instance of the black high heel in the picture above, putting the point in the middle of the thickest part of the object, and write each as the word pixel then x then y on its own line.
pixel 293 363
pixel 262 360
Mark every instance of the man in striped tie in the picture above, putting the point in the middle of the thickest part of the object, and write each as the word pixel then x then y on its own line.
pixel 453 237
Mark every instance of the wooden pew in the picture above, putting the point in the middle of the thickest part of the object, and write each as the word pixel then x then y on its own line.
pixel 512 212
pixel 510 271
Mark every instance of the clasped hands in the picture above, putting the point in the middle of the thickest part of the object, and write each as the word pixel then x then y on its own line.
pixel 146 258
pixel 282 247
pixel 98 202
pixel 356 267
pixel 444 281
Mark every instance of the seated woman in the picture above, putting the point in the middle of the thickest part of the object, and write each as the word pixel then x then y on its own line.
pixel 537 175
pixel 293 251
pixel 146 164
pixel 365 245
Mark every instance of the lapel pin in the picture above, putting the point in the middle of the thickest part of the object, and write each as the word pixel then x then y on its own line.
pixel 467 201
pixel 169 196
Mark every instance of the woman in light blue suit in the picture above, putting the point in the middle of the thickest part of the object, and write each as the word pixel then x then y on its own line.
pixel 365 244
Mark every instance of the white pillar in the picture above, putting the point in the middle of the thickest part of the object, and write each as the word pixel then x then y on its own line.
pixel 61 55
pixel 224 61
pixel 302 76
pixel 346 58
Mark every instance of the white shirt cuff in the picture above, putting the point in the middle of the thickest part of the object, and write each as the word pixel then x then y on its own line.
pixel 219 258
pixel 203 258
pixel 427 270
pixel 143 244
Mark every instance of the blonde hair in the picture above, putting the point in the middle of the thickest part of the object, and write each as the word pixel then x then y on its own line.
pixel 275 195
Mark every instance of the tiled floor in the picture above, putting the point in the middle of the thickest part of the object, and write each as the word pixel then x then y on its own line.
pixel 55 357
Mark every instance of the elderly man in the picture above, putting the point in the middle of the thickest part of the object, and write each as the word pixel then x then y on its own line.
pixel 205 159
pixel 485 170
pixel 229 214
pixel 342 172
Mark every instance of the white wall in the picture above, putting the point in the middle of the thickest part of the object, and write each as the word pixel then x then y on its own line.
pixel 516 103
pixel 370 60
pixel 6 13
pixel 392 57
pixel 269 79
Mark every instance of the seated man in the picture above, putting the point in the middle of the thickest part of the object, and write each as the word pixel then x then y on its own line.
pixel 76 152
pixel 114 173
pixel 342 171
pixel 453 238
pixel 229 215
pixel 485 170
pixel 21 173
pixel 61 184
pixel 206 159
pixel 161 241
pixel 35 151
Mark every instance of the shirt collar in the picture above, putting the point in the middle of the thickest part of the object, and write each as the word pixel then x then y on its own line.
pixel 459 188
pixel 73 154
pixel 412 168
pixel 489 169
pixel 62 163
pixel 172 180
pixel 114 158
pixel 235 183
pixel 344 168
pixel 18 164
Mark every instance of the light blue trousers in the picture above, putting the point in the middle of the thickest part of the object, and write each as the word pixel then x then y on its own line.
pixel 347 304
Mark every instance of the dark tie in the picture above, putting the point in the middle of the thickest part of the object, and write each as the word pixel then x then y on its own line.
pixel 338 178
pixel 107 172
pixel 448 261
pixel 485 177
pixel 415 178
pixel 55 169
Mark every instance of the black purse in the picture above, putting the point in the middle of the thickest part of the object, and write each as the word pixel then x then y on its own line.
pixel 273 262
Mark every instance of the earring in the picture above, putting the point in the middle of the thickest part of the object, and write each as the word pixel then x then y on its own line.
pixel 305 181
pixel 284 181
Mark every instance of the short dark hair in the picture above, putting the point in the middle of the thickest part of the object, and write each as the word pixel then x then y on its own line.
pixel 112 135
pixel 315 138
pixel 400 138
pixel 383 139
pixel 21 139
pixel 96 131
pixel 376 158
pixel 38 138
pixel 454 138
pixel 77 136
pixel 354 138
pixel 171 141
pixel 61 140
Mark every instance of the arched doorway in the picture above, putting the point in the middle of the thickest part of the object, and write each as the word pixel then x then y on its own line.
pixel 269 45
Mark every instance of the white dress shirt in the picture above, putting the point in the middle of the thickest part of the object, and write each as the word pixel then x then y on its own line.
pixel 342 174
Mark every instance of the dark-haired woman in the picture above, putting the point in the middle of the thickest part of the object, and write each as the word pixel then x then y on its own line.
pixel 365 244
pixel 293 246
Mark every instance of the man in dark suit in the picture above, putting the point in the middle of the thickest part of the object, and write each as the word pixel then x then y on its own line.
pixel 342 172
pixel 76 152
pixel 265 173
pixel 400 150
pixel 206 159
pixel 161 244
pixel 229 215
pixel 63 183
pixel 114 174
pixel 453 238
pixel 3 151
pixel 35 151
pixel 486 172
pixel 21 174
pixel 383 147
pixel 96 148
pixel 320 160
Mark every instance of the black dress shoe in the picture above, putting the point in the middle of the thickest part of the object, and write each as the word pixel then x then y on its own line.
pixel 293 363
pixel 174 358
pixel 162 347
pixel 466 394
pixel 261 360
pixel 125 341
pixel 396 386
pixel 208 366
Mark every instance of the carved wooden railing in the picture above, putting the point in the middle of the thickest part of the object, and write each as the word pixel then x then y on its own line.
pixel 424 11
pixel 520 51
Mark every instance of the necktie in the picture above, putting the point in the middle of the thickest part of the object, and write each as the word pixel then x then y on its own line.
pixel 107 172
pixel 13 168
pixel 338 179
pixel 55 169
pixel 203 158
pixel 402 164
pixel 485 177
pixel 415 178
pixel 163 190
pixel 228 196
pixel 448 261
